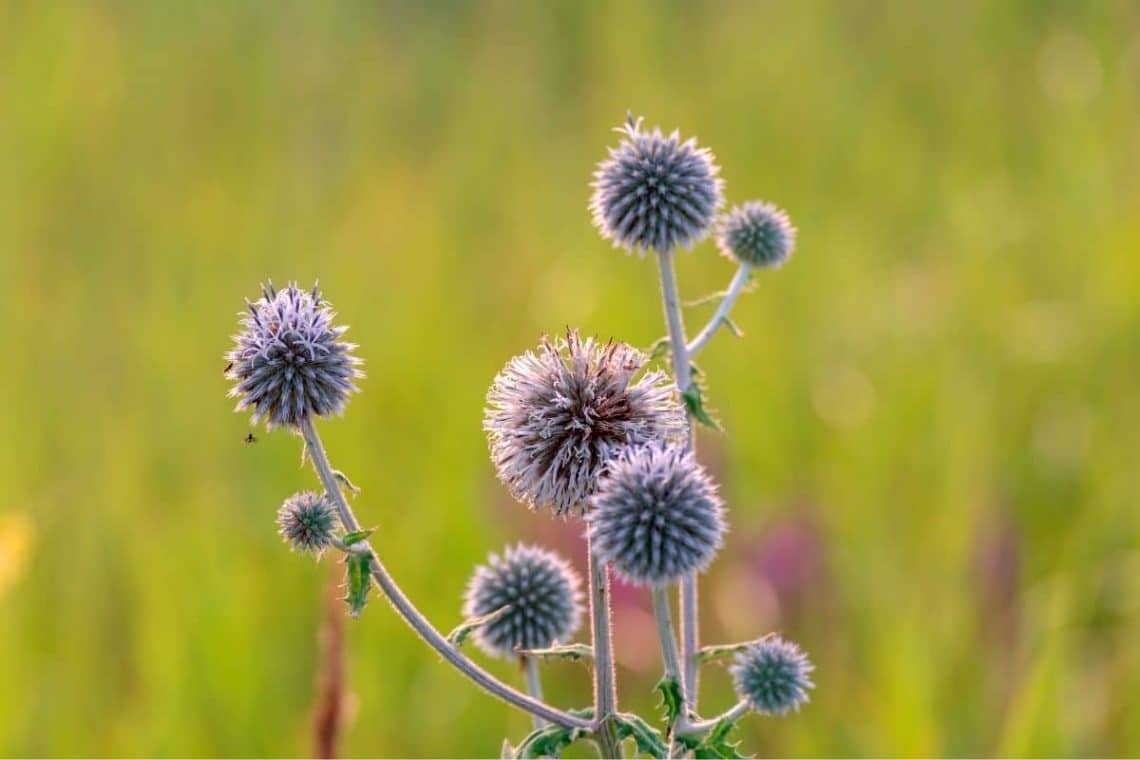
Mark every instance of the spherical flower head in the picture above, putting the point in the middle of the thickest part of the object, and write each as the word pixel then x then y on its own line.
pixel 772 676
pixel 757 233
pixel 540 591
pixel 555 416
pixel 655 191
pixel 656 516
pixel 306 521
pixel 289 362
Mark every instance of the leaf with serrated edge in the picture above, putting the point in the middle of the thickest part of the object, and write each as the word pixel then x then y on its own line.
pixel 461 632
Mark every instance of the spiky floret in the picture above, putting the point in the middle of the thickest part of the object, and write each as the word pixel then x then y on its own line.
pixel 757 233
pixel 555 416
pixel 289 361
pixel 656 516
pixel 306 521
pixel 655 191
pixel 542 594
pixel 772 676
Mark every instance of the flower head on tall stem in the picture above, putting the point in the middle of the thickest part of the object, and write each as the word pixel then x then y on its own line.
pixel 555 417
pixel 772 675
pixel 542 595
pixel 288 360
pixel 758 234
pixel 655 191
pixel 656 516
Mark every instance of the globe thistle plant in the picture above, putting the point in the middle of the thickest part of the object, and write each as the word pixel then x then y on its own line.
pixel 656 516
pixel 579 428
pixel 772 676
pixel 758 234
pixel 541 594
pixel 555 416
pixel 655 191
pixel 289 362
pixel 306 521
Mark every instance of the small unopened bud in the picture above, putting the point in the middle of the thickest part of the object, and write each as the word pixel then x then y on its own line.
pixel 306 521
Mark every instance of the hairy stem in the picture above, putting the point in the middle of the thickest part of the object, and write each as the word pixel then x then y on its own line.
pixel 605 688
pixel 735 288
pixel 664 617
pixel 682 375
pixel 701 727
pixel 533 683
pixel 412 616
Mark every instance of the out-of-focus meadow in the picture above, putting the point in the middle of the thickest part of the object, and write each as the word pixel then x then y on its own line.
pixel 934 417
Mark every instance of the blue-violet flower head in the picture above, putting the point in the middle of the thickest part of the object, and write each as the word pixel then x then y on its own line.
pixel 757 233
pixel 772 676
pixel 656 516
pixel 289 362
pixel 655 191
pixel 542 595
pixel 306 521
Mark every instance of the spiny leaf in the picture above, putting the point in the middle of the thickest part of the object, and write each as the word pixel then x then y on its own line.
pixel 344 481
pixel 694 403
pixel 648 739
pixel 716 744
pixel 672 698
pixel 732 327
pixel 357 535
pixel 720 651
pixel 358 581
pixel 659 348
pixel 548 741
pixel 572 652
pixel 461 632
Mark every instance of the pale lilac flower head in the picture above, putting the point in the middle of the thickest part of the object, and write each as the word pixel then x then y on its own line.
pixel 555 417
pixel 289 362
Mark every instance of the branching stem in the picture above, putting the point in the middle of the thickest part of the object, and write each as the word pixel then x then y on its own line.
pixel 533 683
pixel 605 688
pixel 412 616
pixel 682 374
pixel 735 288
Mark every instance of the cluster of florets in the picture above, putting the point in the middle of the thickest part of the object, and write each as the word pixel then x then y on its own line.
pixel 656 516
pixel 289 362
pixel 307 521
pixel 772 676
pixel 556 417
pixel 541 596
pixel 655 191
pixel 758 234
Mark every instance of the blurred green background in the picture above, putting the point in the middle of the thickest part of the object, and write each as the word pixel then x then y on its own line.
pixel 933 420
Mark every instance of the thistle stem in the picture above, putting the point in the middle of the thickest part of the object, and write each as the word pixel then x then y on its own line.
pixel 533 683
pixel 664 617
pixel 682 374
pixel 605 688
pixel 735 288
pixel 412 616
pixel 702 727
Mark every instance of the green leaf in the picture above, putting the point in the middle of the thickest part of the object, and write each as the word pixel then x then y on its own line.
pixel 695 405
pixel 572 652
pixel 344 481
pixel 647 738
pixel 357 535
pixel 732 327
pixel 358 581
pixel 716 744
pixel 461 632
pixel 673 700
pixel 659 348
pixel 548 741
pixel 720 651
